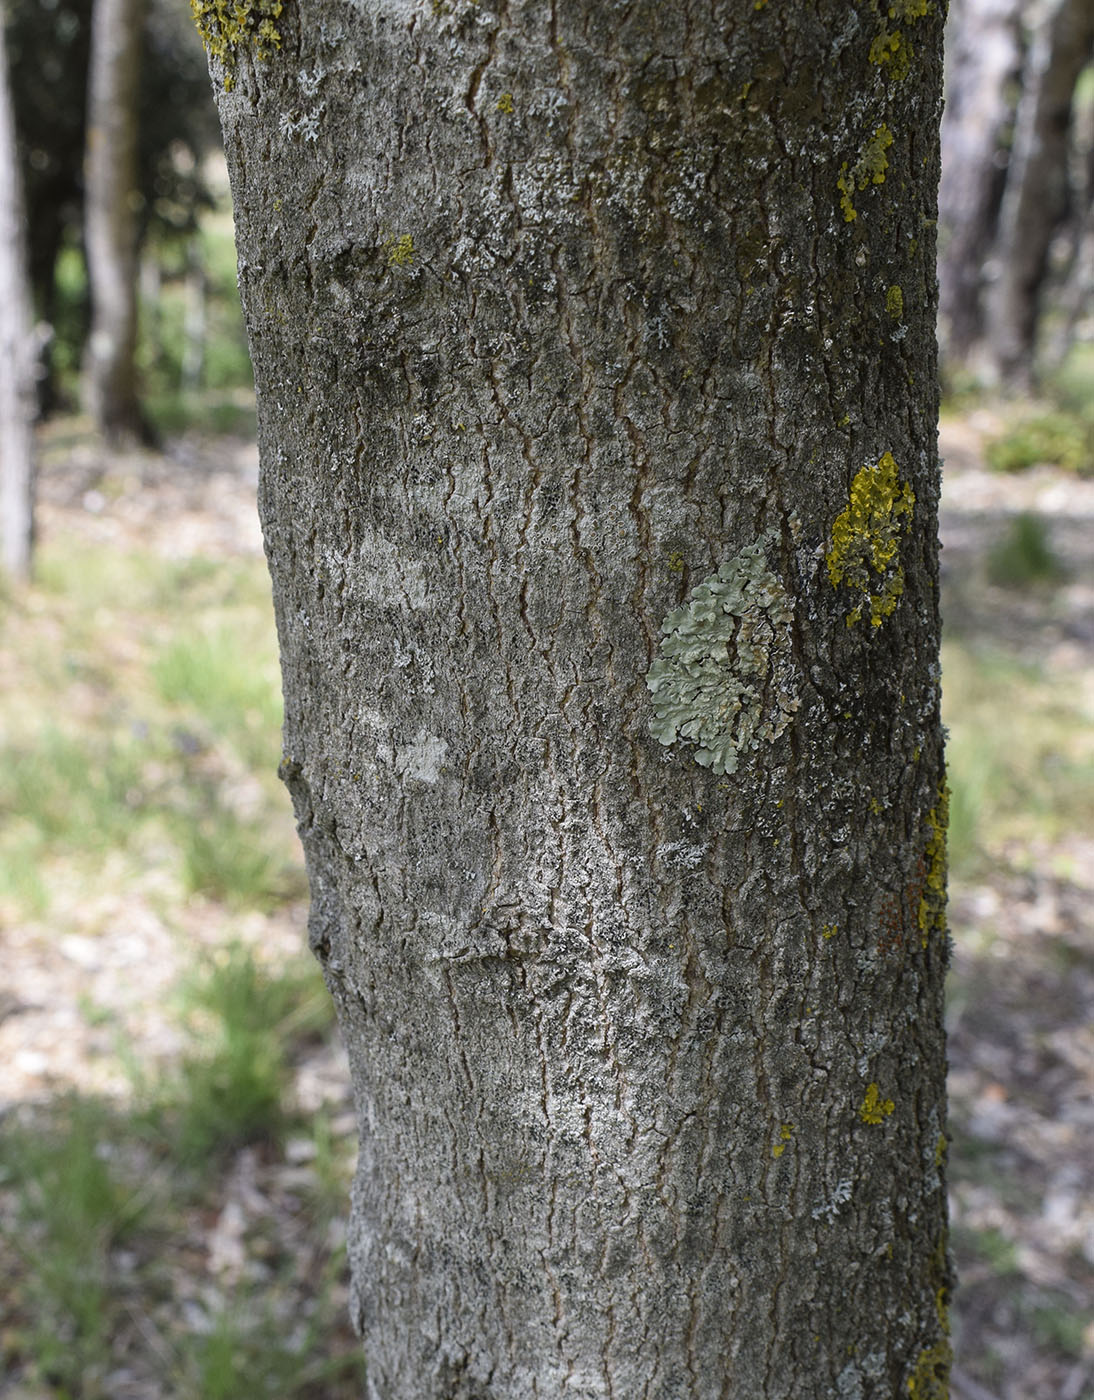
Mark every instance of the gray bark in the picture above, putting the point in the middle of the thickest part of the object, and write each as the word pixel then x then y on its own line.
pixel 983 67
pixel 1036 195
pixel 110 221
pixel 1076 297
pixel 594 347
pixel 17 350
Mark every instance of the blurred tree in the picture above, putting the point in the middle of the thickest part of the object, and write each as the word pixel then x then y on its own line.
pixel 49 41
pixel 1038 197
pixel 1011 182
pixel 983 69
pixel 595 355
pixel 110 218
pixel 1077 293
pixel 16 352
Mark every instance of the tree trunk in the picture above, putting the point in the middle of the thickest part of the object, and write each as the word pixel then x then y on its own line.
pixel 594 347
pixel 1036 196
pixel 983 66
pixel 1076 297
pixel 111 217
pixel 17 350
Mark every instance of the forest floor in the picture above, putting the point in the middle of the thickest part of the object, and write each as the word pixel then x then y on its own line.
pixel 177 1131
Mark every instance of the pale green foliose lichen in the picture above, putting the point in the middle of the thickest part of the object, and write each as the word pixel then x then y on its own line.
pixel 724 679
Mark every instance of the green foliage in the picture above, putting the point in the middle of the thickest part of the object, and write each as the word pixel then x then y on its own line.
pixel 1062 436
pixel 73 793
pixel 221 398
pixel 63 791
pixel 49 43
pixel 1023 556
pixel 1058 439
pixel 1058 1324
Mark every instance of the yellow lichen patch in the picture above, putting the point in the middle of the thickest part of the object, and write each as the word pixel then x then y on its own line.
pixel 846 186
pixel 931 1378
pixel 829 931
pixel 932 902
pixel 786 1132
pixel 504 104
pixel 892 53
pixel 868 169
pixel 227 26
pixel 874 1109
pixel 909 10
pixel 400 251
pixel 939 1280
pixel 873 162
pixel 894 303
pixel 866 540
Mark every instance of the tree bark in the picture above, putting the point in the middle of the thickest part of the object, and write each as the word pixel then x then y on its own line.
pixel 111 218
pixel 594 347
pixel 17 350
pixel 1036 195
pixel 983 67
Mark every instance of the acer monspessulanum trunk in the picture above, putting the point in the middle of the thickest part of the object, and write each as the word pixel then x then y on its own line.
pixel 594 346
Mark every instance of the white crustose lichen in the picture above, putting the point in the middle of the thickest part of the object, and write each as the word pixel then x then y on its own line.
pixel 725 679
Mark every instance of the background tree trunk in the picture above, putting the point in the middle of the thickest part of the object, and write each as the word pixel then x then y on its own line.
pixel 111 217
pixel 594 347
pixel 1036 195
pixel 983 69
pixel 17 350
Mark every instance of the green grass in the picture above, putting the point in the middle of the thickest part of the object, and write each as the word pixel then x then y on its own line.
pixel 1023 556
pixel 1039 784
pixel 1060 432
pixel 95 1218
pixel 74 1209
pixel 128 736
pixel 235 861
pixel 102 1205
pixel 224 674
pixel 246 1024
pixel 247 1353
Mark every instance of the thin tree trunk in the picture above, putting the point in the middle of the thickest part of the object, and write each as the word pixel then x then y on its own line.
pixel 1076 299
pixel 594 348
pixel 17 350
pixel 111 217
pixel 983 64
pixel 1036 196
